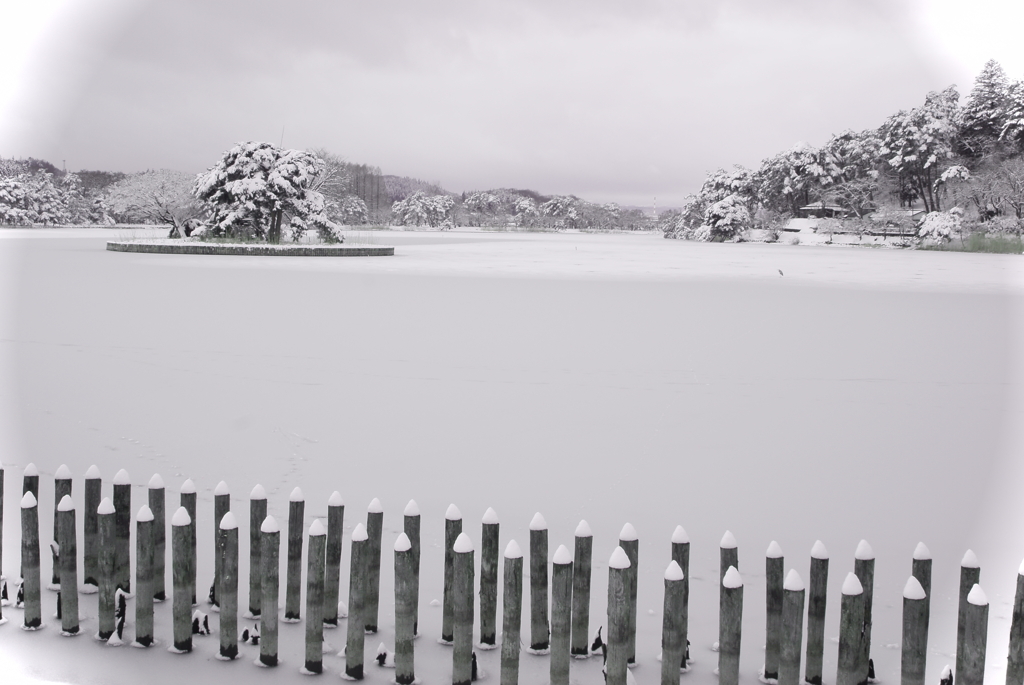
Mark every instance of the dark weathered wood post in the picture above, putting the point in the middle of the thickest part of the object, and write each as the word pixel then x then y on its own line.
pixel 257 514
pixel 851 627
pixel 107 551
pixel 970 575
pixel 221 506
pixel 144 557
pixel 792 628
pixel 405 669
pixel 728 555
pixel 915 633
pixel 561 615
pixel 30 481
pixel 673 644
pixel 158 507
pixel 452 530
pixel 864 568
pixel 617 664
pixel 774 570
pixel 975 638
pixel 629 542
pixel 67 540
pixel 122 531
pixel 181 580
pixel 816 602
pixel 61 487
pixel 315 571
pixel 30 561
pixel 730 624
pixel 374 534
pixel 270 589
pixel 540 630
pixel 681 555
pixel 356 644
pixel 293 577
pixel 488 579
pixel 512 611
pixel 91 538
pixel 332 573
pixel 188 500
pixel 228 586
pixel 583 554
pixel 1015 655
pixel 462 644
pixel 921 568
pixel 412 529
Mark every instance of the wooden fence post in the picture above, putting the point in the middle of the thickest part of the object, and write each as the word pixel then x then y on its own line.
pixel 1015 654
pixel 30 561
pixel 915 633
pixel 61 487
pixel 67 540
pixel 975 638
pixel 181 579
pixel 332 574
pixel 851 627
pixel 293 578
pixel 452 530
pixel 405 595
pixel 681 555
pixel 221 506
pixel 792 629
pixel 616 663
pixel 122 531
pixel 188 500
pixel 864 568
pixel 316 569
pixel 561 615
pixel 270 589
pixel 728 555
pixel 970 575
pixel 90 556
pixel 257 514
pixel 673 644
pixel 730 624
pixel 107 551
pixel 774 570
pixel 227 583
pixel 374 534
pixel 462 644
pixel 512 611
pixel 30 481
pixel 158 507
pixel 488 579
pixel 921 568
pixel 540 630
pixel 144 558
pixel 816 601
pixel 629 542
pixel 583 554
pixel 356 645
pixel 412 529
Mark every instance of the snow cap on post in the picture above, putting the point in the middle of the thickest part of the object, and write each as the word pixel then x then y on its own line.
pixel 970 560
pixel 375 507
pixel 619 559
pixel 462 544
pixel 794 583
pixel 145 514
pixel 221 489
pixel 269 525
pixel 512 550
pixel 228 522
pixel 106 507
pixel 732 578
pixel 296 495
pixel 977 596
pixel 562 556
pixel 122 478
pixel 490 516
pixel 852 586
pixel 946 673
pixel 335 500
pixel 628 533
pixel 403 543
pixel 412 509
pixel 66 504
pixel 774 551
pixel 674 571
pixel 728 541
pixel 583 530
pixel 819 551
pixel 922 553
pixel 864 551
pixel 188 487
pixel 258 493
pixel 156 482
pixel 538 522
pixel 316 528
pixel 180 518
pixel 453 513
pixel 913 589
pixel 31 470
pixel 679 536
pixel 92 472
pixel 1020 571
pixel 359 533
pixel 63 473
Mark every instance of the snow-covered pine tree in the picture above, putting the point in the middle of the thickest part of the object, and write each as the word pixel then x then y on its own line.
pixel 984 112
pixel 1013 125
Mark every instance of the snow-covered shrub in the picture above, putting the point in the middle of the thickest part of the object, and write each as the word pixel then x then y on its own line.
pixel 419 209
pixel 941 226
pixel 724 220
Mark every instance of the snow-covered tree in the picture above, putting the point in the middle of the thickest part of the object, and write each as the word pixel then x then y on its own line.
pixel 160 197
pixel 419 209
pixel 28 199
pixel 791 179
pixel 941 226
pixel 255 186
pixel 984 112
pixel 723 220
pixel 350 210
pixel 1013 125
pixel 564 209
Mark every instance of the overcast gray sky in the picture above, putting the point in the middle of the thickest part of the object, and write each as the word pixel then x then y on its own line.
pixel 612 101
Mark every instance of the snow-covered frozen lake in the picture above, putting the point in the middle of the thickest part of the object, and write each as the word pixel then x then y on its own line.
pixel 860 393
